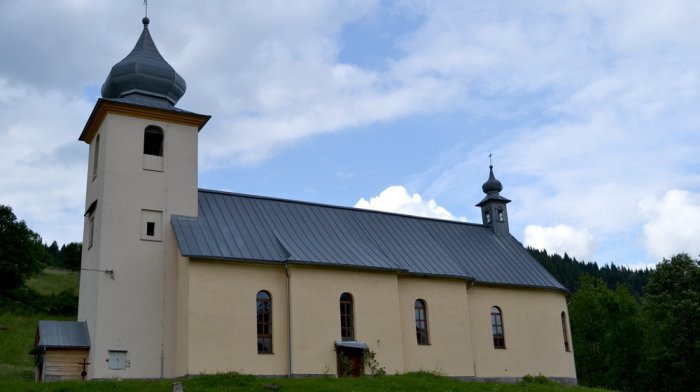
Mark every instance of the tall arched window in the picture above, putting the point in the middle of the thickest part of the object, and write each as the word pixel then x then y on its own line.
pixel 347 317
pixel 565 331
pixel 499 339
pixel 264 320
pixel 153 141
pixel 421 322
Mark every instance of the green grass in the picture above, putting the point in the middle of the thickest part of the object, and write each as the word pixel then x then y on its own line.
pixel 232 382
pixel 54 280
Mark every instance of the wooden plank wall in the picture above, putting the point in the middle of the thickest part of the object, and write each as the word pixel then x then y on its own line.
pixel 64 364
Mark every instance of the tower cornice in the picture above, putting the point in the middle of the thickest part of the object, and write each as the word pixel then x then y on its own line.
pixel 106 106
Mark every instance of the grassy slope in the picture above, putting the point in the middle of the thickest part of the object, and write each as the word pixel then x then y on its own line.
pixel 54 281
pixel 407 382
pixel 18 338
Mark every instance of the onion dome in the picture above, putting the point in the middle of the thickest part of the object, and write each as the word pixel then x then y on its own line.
pixel 492 184
pixel 491 188
pixel 144 72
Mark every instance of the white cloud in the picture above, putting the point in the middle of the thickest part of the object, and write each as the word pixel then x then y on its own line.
pixel 673 223
pixel 397 199
pixel 561 239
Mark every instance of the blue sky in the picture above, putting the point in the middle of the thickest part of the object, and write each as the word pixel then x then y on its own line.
pixel 590 109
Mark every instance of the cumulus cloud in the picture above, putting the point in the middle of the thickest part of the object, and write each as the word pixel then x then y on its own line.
pixel 672 223
pixel 561 239
pixel 397 199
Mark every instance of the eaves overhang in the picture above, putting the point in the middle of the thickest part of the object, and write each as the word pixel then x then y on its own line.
pixel 195 258
pixel 523 286
pixel 106 106
pixel 491 197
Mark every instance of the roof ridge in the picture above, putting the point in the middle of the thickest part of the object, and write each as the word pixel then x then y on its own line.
pixel 317 204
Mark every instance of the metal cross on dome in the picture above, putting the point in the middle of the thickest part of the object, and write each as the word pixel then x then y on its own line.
pixel 145 6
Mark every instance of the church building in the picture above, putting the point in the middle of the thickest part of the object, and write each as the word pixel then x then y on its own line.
pixel 179 280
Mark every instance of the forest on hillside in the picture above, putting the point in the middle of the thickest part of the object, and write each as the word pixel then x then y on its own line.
pixel 632 330
pixel 568 271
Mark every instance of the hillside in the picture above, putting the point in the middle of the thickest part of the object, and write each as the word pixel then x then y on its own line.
pixel 18 327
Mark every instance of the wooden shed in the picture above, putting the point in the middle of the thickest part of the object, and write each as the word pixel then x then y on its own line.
pixel 61 350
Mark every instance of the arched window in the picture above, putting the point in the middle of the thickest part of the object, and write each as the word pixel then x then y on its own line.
pixel 264 319
pixel 499 340
pixel 153 141
pixel 347 317
pixel 421 322
pixel 564 330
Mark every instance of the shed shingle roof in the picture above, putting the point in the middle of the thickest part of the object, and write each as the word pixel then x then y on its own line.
pixel 73 334
pixel 233 226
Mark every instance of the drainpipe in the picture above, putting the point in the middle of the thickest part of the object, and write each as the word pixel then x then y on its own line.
pixel 289 323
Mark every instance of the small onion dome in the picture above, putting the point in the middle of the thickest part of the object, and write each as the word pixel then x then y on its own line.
pixel 492 184
pixel 144 72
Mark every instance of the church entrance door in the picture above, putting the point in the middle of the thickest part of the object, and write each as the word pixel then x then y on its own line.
pixel 350 361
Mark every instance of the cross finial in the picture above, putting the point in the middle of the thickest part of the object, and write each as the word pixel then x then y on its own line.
pixel 145 6
pixel 490 155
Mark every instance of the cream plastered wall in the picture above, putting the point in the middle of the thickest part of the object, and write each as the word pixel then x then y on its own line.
pixel 315 303
pixel 449 351
pixel 222 325
pixel 182 316
pixel 136 311
pixel 222 318
pixel 534 338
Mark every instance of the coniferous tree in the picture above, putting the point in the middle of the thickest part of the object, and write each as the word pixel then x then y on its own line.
pixel 54 253
pixel 70 255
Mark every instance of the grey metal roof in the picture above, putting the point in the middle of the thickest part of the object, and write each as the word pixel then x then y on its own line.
pixel 72 334
pixel 233 226
pixel 144 72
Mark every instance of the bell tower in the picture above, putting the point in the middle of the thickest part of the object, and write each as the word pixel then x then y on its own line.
pixel 493 207
pixel 142 169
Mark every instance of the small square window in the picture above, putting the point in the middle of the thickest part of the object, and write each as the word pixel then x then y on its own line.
pixel 151 225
